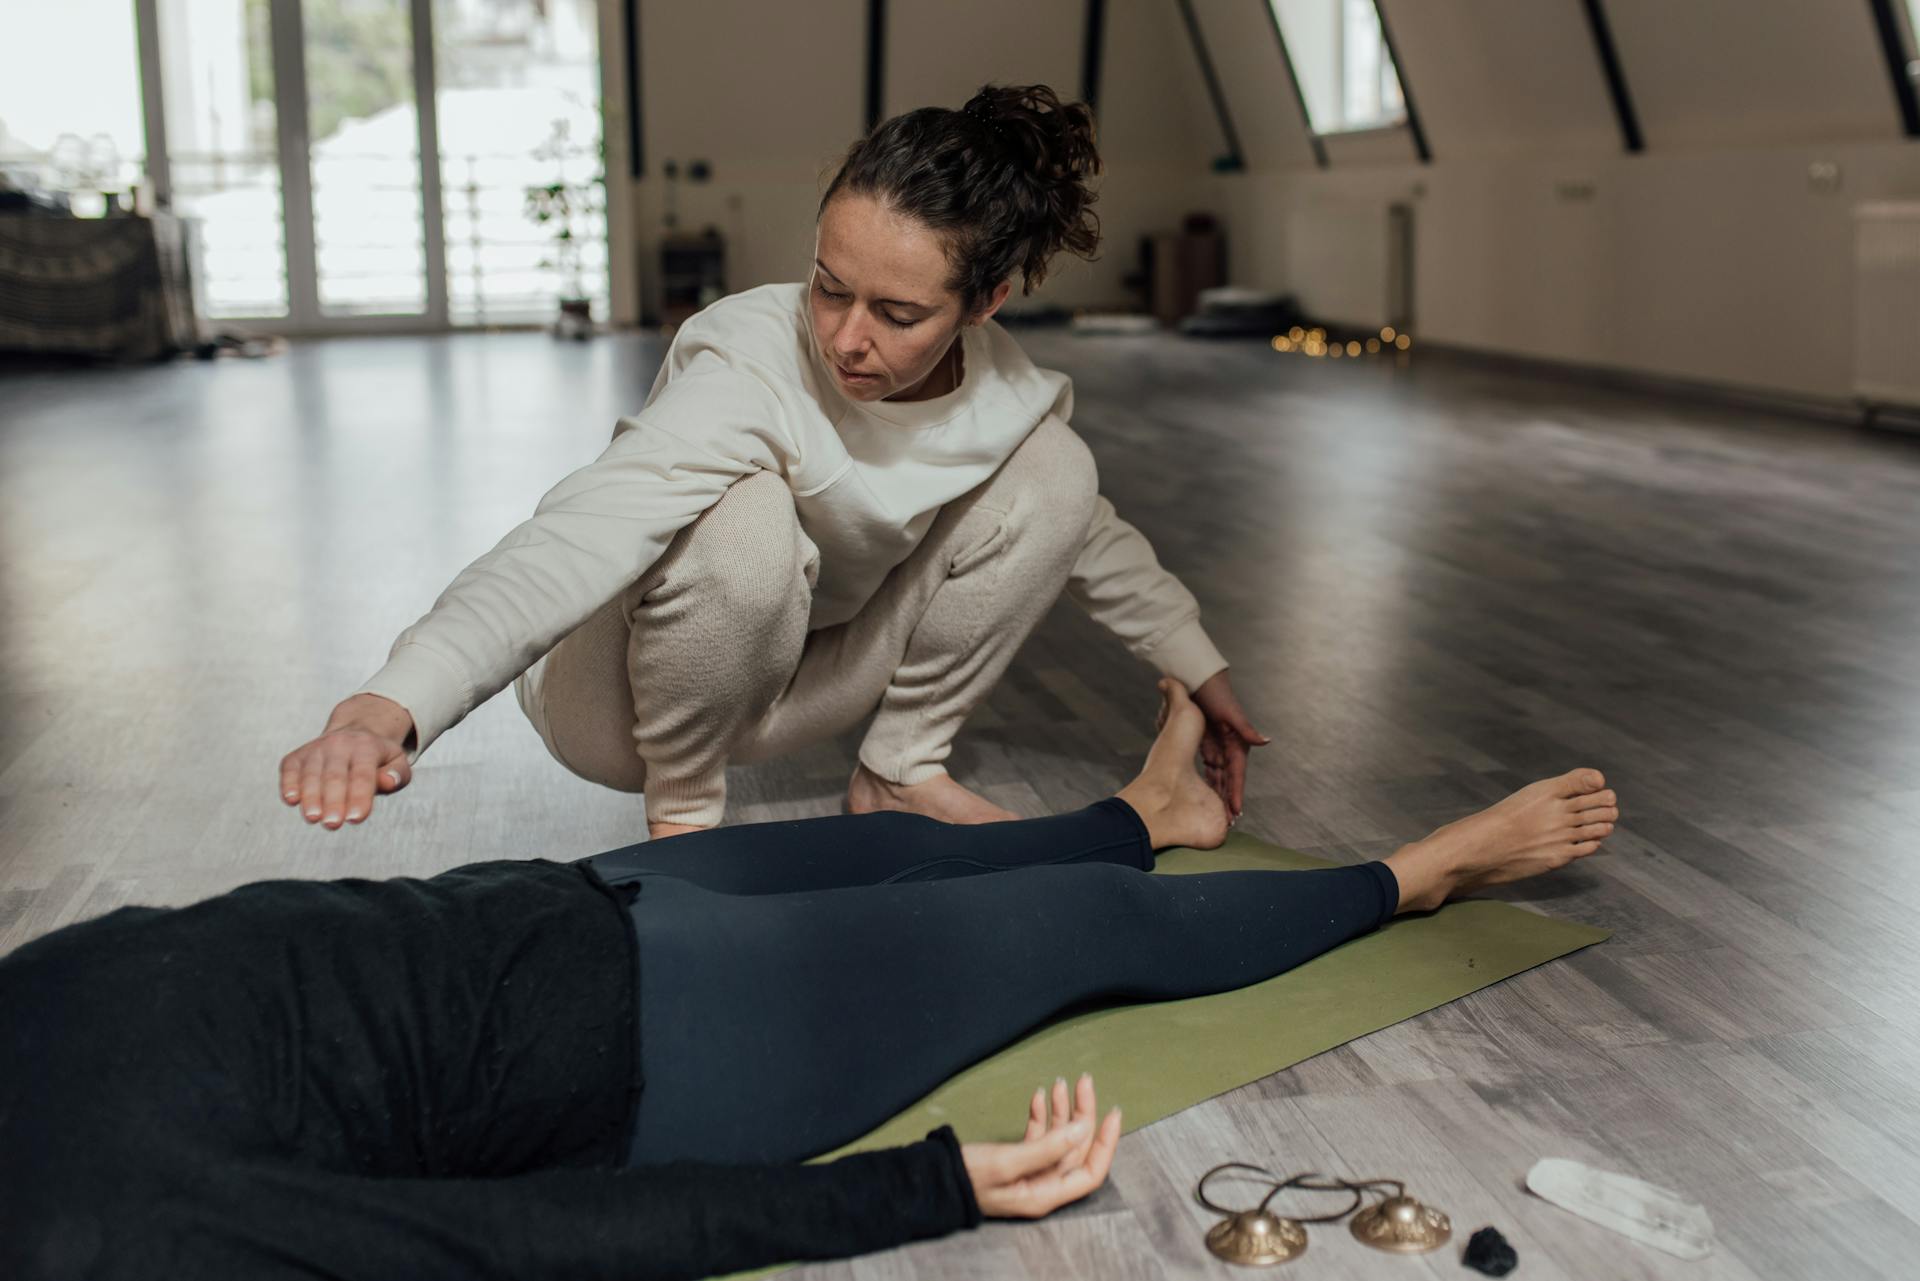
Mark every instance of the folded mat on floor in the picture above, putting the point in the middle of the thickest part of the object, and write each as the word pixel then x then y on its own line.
pixel 1155 1058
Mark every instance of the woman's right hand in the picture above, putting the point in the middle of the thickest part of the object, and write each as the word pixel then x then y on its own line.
pixel 333 779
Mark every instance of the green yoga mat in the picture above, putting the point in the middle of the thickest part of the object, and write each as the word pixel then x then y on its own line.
pixel 1226 1040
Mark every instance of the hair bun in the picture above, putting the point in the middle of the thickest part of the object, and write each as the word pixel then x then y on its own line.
pixel 1004 178
pixel 1057 137
pixel 1052 144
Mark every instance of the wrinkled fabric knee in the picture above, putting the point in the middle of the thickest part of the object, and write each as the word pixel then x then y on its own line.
pixel 718 627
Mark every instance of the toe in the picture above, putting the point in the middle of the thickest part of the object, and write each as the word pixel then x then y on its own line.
pixel 1581 782
pixel 1582 849
pixel 1602 799
pixel 1592 831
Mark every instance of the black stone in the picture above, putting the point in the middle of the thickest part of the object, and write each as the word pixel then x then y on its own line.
pixel 1488 1252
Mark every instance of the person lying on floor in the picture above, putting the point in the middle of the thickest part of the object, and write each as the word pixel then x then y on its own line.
pixel 613 1068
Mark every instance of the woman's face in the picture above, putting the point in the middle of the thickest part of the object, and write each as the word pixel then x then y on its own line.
pixel 880 302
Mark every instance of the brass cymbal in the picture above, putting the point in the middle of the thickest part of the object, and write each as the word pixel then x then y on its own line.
pixel 1257 1238
pixel 1403 1225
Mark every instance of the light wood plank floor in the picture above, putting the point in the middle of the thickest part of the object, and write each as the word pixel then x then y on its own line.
pixel 1436 582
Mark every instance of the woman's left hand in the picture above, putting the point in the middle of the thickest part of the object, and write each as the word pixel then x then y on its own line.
pixel 1230 736
pixel 1065 1154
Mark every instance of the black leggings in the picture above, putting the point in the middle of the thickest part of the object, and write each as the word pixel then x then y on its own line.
pixel 802 982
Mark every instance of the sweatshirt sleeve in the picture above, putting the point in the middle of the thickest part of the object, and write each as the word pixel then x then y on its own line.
pixel 651 1223
pixel 1119 581
pixel 591 535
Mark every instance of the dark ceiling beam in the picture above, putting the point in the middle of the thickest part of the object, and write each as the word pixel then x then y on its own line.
pixel 876 61
pixel 1616 77
pixel 1091 46
pixel 1235 159
pixel 1420 147
pixel 1887 23
pixel 636 135
pixel 1314 140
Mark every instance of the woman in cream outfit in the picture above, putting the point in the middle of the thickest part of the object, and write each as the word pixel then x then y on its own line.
pixel 845 498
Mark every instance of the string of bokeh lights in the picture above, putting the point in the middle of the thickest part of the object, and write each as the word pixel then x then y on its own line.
pixel 1313 342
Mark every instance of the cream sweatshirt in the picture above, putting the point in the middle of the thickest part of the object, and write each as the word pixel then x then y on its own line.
pixel 743 389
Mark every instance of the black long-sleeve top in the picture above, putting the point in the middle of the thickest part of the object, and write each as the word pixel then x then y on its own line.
pixel 383 1079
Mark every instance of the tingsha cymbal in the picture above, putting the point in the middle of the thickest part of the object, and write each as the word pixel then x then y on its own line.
pixel 1257 1238
pixel 1403 1225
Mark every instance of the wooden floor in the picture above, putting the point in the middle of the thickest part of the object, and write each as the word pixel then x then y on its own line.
pixel 1436 582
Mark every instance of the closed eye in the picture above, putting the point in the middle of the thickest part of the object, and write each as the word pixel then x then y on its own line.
pixel 825 292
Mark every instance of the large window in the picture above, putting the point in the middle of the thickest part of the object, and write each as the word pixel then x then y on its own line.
pixel 502 218
pixel 70 121
pixel 1341 60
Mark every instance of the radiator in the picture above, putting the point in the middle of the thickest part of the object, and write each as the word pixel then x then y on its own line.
pixel 1886 325
pixel 1351 262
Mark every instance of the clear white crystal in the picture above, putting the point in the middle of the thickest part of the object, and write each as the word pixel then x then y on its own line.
pixel 1633 1207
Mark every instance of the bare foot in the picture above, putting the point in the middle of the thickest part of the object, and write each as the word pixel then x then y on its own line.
pixel 939 797
pixel 1175 803
pixel 1542 826
pixel 660 831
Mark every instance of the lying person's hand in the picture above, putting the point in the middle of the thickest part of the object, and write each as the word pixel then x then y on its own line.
pixel 333 779
pixel 1061 1159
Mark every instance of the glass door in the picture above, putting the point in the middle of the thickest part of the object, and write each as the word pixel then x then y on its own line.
pixel 364 151
pixel 518 105
pixel 309 140
pixel 293 143
pixel 223 163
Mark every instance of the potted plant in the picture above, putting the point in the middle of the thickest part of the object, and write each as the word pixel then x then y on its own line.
pixel 554 205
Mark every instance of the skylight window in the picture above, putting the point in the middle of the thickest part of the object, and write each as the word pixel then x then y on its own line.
pixel 1341 60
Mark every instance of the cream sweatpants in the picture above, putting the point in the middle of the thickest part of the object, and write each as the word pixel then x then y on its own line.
pixel 706 658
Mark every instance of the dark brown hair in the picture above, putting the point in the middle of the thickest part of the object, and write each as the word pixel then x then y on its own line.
pixel 1002 181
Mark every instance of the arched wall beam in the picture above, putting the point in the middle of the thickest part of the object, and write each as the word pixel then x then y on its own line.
pixel 1235 157
pixel 636 136
pixel 1887 23
pixel 1420 147
pixel 876 60
pixel 1318 143
pixel 1090 49
pixel 1616 77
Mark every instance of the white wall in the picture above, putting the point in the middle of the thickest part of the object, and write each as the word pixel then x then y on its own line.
pixel 1711 256
pixel 1708 72
pixel 1722 266
pixel 1246 56
pixel 772 94
pixel 1518 77
pixel 1158 141
pixel 768 95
